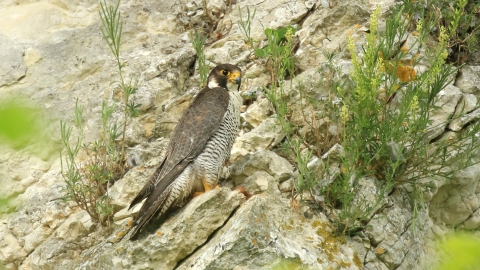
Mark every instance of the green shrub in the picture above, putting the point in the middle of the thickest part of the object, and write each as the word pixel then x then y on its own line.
pixel 198 42
pixel 384 114
pixel 87 182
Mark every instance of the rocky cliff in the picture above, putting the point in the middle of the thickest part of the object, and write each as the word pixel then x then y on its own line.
pixel 53 52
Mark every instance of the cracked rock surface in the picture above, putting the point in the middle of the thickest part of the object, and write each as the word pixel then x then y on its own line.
pixel 52 53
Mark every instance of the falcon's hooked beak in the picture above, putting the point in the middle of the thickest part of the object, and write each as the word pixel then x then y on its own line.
pixel 236 79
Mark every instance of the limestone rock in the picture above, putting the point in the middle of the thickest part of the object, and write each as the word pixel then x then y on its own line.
pixel 12 67
pixel 456 202
pixel 469 80
pixel 231 51
pixel 264 137
pixel 257 112
pixel 279 168
pixel 35 238
pixel 75 227
pixel 172 112
pixel 269 14
pixel 316 33
pixel 286 186
pixel 446 100
pixel 265 231
pixel 53 53
pixel 18 171
pixel 10 249
pixel 296 95
pixel 392 239
pixel 162 247
pixel 260 182
pixel 458 123
pixel 128 187
pixel 366 200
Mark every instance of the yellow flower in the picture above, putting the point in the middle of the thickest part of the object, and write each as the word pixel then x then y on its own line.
pixel 374 20
pixel 289 33
pixel 406 73
pixel 344 113
pixel 419 27
pixel 414 105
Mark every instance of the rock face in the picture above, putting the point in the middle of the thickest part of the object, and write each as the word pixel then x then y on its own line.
pixel 163 247
pixel 264 231
pixel 52 53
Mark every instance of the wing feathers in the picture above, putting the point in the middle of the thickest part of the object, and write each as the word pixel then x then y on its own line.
pixel 157 204
pixel 149 186
pixel 189 138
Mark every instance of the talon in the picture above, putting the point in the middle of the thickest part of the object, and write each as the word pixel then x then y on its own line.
pixel 197 193
pixel 206 186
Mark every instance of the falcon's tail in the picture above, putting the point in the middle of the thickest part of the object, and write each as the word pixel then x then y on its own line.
pixel 153 205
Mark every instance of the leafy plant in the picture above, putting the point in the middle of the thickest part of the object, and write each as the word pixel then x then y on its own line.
pixel 245 26
pixel 198 43
pixel 385 136
pixel 87 182
pixel 279 59
pixel 19 124
pixel 112 26
pixel 460 20
pixel 385 115
pixel 278 52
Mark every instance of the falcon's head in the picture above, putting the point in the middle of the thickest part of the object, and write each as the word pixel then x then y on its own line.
pixel 226 76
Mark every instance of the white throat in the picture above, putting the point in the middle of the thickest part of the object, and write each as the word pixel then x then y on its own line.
pixel 212 84
pixel 232 86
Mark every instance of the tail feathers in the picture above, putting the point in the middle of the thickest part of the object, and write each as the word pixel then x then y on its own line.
pixel 147 189
pixel 152 206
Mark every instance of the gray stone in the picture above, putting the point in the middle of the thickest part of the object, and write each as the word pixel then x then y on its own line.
pixel 393 240
pixel 172 241
pixel 75 226
pixel 458 123
pixel 279 168
pixel 317 31
pixel 10 248
pixel 12 67
pixel 286 186
pixel 263 232
pixel 264 137
pixel 260 182
pixel 456 201
pixel 257 112
pixel 53 53
pixel 269 14
pixel 297 93
pixel 446 100
pixel 368 198
pixel 469 79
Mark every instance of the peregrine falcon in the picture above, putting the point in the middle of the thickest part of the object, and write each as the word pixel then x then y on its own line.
pixel 200 144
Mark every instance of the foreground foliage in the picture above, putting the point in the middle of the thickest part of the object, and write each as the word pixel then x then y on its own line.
pixel 104 159
pixel 383 112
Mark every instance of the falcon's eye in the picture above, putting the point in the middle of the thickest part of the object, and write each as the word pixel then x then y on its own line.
pixel 225 72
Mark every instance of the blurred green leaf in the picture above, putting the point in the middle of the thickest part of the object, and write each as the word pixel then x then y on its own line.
pixel 260 52
pixel 17 122
pixel 462 252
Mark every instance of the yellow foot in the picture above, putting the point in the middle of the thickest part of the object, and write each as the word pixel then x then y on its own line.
pixel 198 193
pixel 206 186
